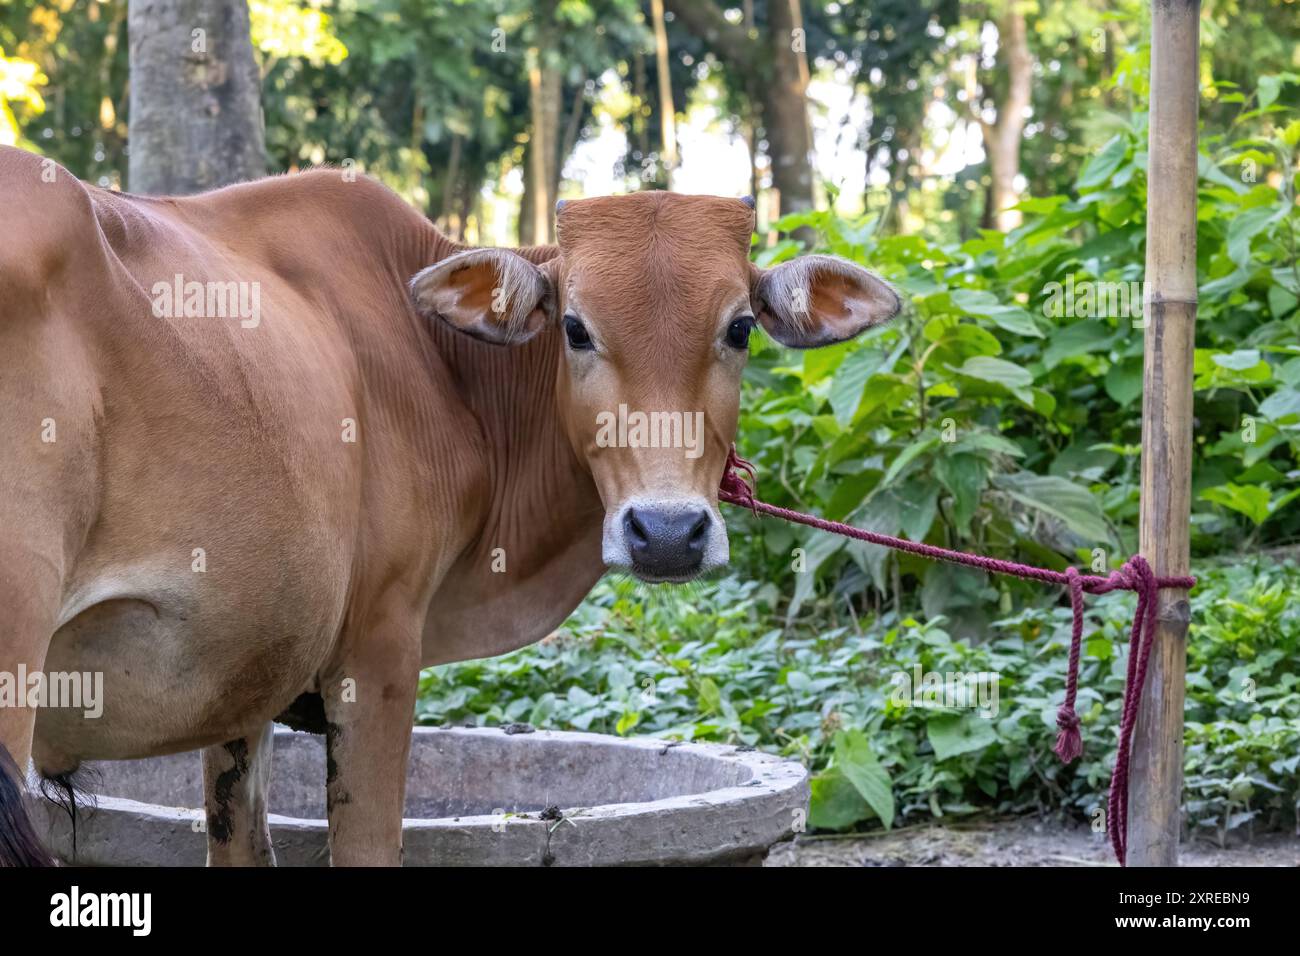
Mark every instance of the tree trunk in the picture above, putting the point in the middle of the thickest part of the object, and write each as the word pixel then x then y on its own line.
pixel 782 86
pixel 451 178
pixel 553 116
pixel 785 109
pixel 667 114
pixel 1002 139
pixel 196 115
pixel 544 94
pixel 468 199
pixel 573 126
pixel 526 202
pixel 639 134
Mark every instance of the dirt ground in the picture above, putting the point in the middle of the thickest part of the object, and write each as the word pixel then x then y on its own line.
pixel 1013 842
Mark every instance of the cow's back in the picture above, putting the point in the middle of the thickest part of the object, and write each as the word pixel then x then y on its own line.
pixel 228 463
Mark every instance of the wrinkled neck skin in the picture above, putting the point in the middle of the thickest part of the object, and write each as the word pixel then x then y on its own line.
pixel 533 513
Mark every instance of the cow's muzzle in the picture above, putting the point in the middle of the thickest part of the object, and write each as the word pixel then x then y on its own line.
pixel 665 540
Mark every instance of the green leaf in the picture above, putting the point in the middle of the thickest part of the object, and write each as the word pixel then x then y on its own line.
pixel 1250 500
pixel 1100 648
pixel 964 476
pixel 1238 360
pixel 1076 507
pixel 1103 164
pixel 1245 226
pixel 1281 302
pixel 986 368
pixel 1124 381
pixel 1090 335
pixel 710 696
pixel 1269 87
pixel 850 378
pixel 820 363
pixel 952 735
pixel 855 759
pixel 1282 404
pixel 918 509
pixel 905 457
pixel 982 440
pixel 626 723
pixel 853 374
pixel 1010 317
pixel 836 804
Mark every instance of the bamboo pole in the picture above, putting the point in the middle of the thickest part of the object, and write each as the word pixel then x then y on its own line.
pixel 1156 780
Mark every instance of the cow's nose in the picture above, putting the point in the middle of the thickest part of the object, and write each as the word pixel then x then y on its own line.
pixel 666 543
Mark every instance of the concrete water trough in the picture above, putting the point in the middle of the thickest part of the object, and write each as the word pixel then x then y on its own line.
pixel 474 796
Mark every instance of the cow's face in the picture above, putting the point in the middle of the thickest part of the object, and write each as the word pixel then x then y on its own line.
pixel 655 298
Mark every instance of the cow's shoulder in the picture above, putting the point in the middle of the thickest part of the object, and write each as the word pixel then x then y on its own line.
pixel 50 222
pixel 344 197
pixel 323 226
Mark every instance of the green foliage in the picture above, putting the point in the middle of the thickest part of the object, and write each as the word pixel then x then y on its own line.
pixel 20 83
pixel 707 664
pixel 1002 412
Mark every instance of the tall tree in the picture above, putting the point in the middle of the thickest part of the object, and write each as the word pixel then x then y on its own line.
pixel 667 114
pixel 1003 134
pixel 772 58
pixel 196 115
pixel 567 45
pixel 545 89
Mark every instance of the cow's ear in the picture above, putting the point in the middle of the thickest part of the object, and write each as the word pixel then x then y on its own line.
pixel 820 300
pixel 492 294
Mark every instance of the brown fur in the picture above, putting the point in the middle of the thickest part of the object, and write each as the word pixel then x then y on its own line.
pixel 331 567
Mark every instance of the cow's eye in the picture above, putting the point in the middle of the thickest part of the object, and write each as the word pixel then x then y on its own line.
pixel 738 332
pixel 576 333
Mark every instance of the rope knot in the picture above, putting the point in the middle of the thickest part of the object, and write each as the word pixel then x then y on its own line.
pixel 734 487
pixel 1069 742
pixel 1136 575
pixel 1141 577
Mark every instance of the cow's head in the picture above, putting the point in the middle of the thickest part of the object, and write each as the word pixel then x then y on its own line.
pixel 656 297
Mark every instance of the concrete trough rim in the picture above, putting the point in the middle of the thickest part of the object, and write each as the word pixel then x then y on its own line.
pixel 731 823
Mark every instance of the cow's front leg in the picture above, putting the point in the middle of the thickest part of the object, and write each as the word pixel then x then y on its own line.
pixel 369 708
pixel 236 776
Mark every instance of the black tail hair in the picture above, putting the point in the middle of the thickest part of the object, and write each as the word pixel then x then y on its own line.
pixel 69 791
pixel 19 844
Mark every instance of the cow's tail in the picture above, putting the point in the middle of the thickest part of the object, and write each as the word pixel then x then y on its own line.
pixel 19 844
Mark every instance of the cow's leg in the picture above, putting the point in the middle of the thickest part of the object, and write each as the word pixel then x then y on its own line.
pixel 369 708
pixel 236 777
pixel 25 631
pixel 48 493
pixel 29 594
pixel 31 566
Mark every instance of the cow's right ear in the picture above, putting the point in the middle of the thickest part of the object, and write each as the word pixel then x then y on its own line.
pixel 820 300
pixel 492 294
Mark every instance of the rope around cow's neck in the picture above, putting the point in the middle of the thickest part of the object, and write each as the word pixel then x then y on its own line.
pixel 1136 575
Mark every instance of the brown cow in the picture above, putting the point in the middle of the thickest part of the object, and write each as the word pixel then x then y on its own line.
pixel 250 453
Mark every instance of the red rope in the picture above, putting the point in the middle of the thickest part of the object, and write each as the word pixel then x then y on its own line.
pixel 1136 575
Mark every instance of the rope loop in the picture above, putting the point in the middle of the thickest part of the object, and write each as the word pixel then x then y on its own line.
pixel 739 487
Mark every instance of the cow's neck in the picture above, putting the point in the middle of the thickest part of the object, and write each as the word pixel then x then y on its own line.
pixel 539 514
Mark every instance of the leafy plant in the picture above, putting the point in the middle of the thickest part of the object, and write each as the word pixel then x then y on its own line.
pixel 710 663
pixel 1002 411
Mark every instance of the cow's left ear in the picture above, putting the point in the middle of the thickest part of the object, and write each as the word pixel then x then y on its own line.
pixel 820 300
pixel 492 294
